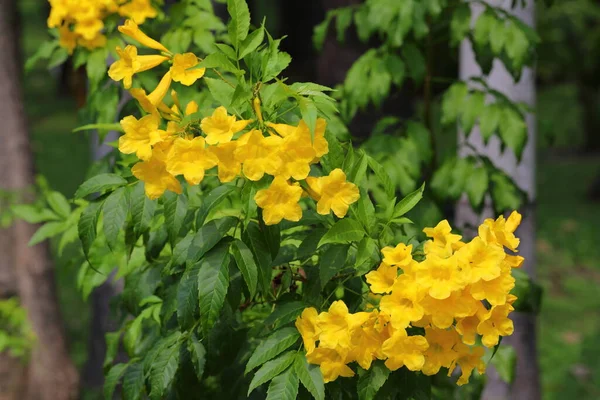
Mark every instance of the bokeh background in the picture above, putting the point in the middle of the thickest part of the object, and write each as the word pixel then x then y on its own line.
pixel 568 176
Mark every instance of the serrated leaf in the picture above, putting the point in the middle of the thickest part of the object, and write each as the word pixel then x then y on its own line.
pixel 255 240
pixel 513 130
pixel 272 346
pixel 59 204
pixel 270 370
pixel 99 183
pixel 240 21
pixel 383 177
pixel 112 379
pixel 408 202
pixel 187 296
pixel 208 236
pixel 476 186
pixel 213 199
pixel 372 380
pixel 310 375
pixel 365 210
pixel 175 209
pixel 163 371
pixel 309 115
pixel 86 227
pixel 332 261
pixel 344 231
pixel 285 313
pixel 252 42
pixel 358 172
pixel 219 61
pixel 245 262
pixel 505 194
pixel 198 353
pixel 473 107
pixel 221 91
pixel 46 231
pixel 367 255
pixel 115 213
pixel 284 386
pixel 489 121
pixel 213 282
pixel 453 101
pixel 133 382
pixel 142 209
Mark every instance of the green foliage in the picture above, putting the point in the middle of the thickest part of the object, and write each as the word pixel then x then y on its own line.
pixel 16 336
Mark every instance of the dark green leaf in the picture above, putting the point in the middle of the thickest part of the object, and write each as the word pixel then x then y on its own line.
pixel 344 231
pixel 365 210
pixel 285 313
pixel 272 346
pixel 310 375
pixel 214 198
pixel 372 380
pixel 86 227
pixel 284 386
pixel 112 379
pixel 99 183
pixel 115 213
pixel 408 203
pixel 208 236
pixel 163 371
pixel 414 61
pixel 461 23
pixel 255 240
pixel 245 263
pixel 187 296
pixel 176 207
pixel 198 354
pixel 270 370
pixel 383 177
pixel 133 382
pixel 221 91
pixel 213 282
pixel 142 209
pixel 320 32
pixel 332 261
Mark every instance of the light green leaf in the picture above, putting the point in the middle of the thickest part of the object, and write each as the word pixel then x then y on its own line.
pixel 367 255
pixel 332 261
pixel 513 130
pixel 309 115
pixel 133 382
pixel 48 230
pixel 257 243
pixel 505 194
pixel 453 102
pixel 86 227
pixel 221 91
pixel 272 346
pixel 244 260
pixel 284 386
pixel 310 375
pixel 112 379
pixel 408 203
pixel 383 177
pixel 252 42
pixel 218 60
pixel 115 213
pixel 98 184
pixel 476 187
pixel 101 127
pixel 240 21
pixel 343 20
pixel 372 380
pixel 473 107
pixel 227 50
pixel 270 370
pixel 461 23
pixel 365 210
pixel 175 209
pixel 505 361
pixel 489 121
pixel 344 231
pixel 198 353
pixel 213 282
pixel 320 32
pixel 33 214
pixel 59 204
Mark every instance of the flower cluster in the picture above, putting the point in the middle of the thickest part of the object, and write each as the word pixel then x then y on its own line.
pixel 236 147
pixel 431 314
pixel 81 22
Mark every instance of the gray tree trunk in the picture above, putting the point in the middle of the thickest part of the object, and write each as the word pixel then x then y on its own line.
pixel 51 375
pixel 527 382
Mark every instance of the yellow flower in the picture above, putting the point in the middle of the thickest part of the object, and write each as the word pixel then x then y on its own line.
pixel 366 342
pixel 403 350
pixel 96 42
pixel 337 326
pixel 280 201
pixel 334 193
pixel 190 158
pixel 131 29
pixel 383 278
pixel 401 255
pixel 138 10
pixel 191 108
pixel 496 290
pixel 155 177
pixel 467 326
pixel 296 152
pixel 181 72
pixel 469 359
pixel 67 38
pixel 439 276
pixel 331 363
pixel 228 166
pixel 480 260
pixel 404 304
pixel 161 90
pixel 441 351
pixel 220 127
pixel 130 63
pixel 460 304
pixel 89 28
pixel 443 240
pixel 319 142
pixel 501 231
pixel 258 154
pixel 495 323
pixel 140 135
pixel 308 328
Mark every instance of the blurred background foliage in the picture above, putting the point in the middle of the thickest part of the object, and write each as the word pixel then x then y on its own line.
pixel 568 116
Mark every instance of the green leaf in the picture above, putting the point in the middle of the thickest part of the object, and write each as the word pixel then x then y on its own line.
pixel 383 177
pixel 332 261
pixel 284 386
pixel 115 213
pixel 505 194
pixel 414 61
pixel 473 108
pixel 343 20
pixel 33 214
pixel 213 282
pixel 59 204
pixel 476 187
pixel 245 263
pixel 86 227
pixel 344 231
pixel 270 370
pixel 218 60
pixel 453 101
pixel 310 375
pixel 309 115
pixel 142 209
pixel 505 361
pixel 176 207
pixel 256 242
pixel 198 353
pixel 221 91
pixel 133 382
pixel 96 66
pixel 272 346
pixel 357 173
pixel 48 230
pixel 187 296
pixel 101 127
pixel 367 255
pixel 112 347
pixel 99 183
pixel 320 32
pixel 112 379
pixel 252 42
pixel 483 28
pixel 240 21
pixel 227 50
pixel 513 130
pixel 285 313
pixel 408 203
pixel 365 210
pixel 208 236
pixel 372 380
pixel 164 368
pixel 489 121
pixel 213 199
pixel 460 25
pixel 516 45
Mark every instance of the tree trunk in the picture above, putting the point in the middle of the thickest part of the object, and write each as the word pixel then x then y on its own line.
pixel 527 382
pixel 51 374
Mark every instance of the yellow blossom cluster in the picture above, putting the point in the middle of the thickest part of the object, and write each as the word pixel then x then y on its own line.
pixel 431 314
pixel 247 148
pixel 81 22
